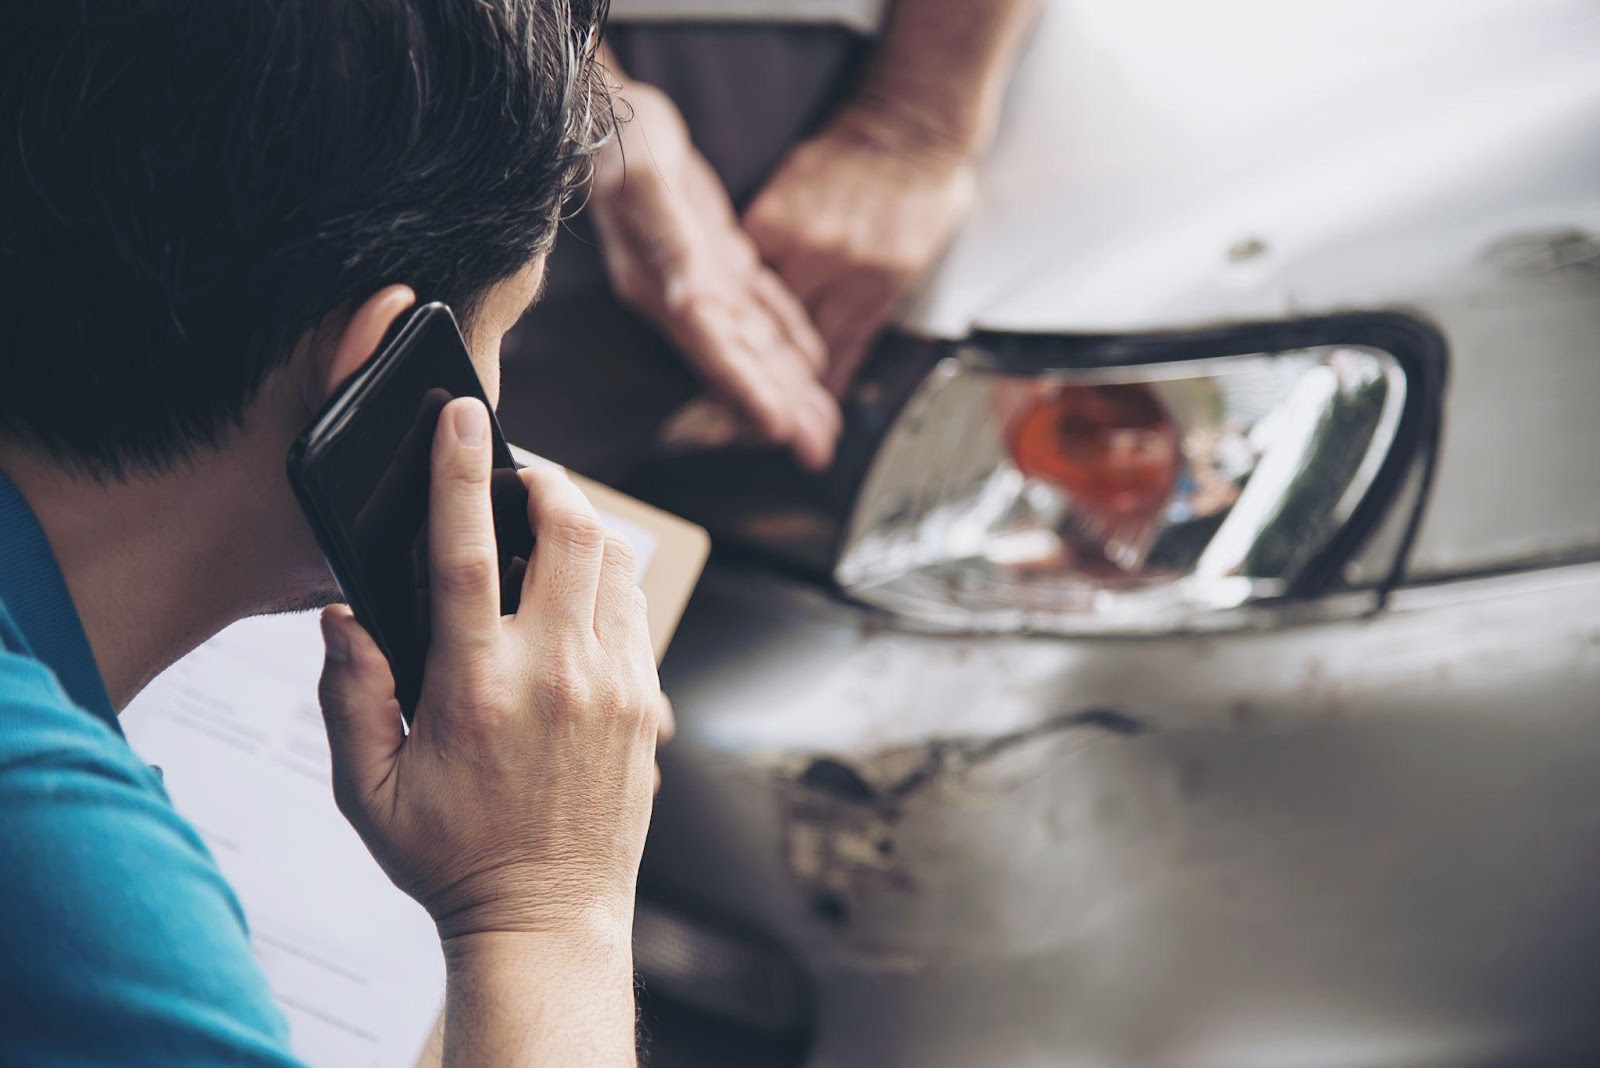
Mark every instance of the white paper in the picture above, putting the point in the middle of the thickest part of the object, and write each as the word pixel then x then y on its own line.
pixel 235 728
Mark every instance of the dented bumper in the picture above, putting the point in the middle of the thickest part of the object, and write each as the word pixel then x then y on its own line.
pixel 1358 843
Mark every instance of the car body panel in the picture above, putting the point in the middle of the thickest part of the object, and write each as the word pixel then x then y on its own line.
pixel 1162 164
pixel 1355 843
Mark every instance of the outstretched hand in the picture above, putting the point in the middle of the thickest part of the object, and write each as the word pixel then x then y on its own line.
pixel 675 253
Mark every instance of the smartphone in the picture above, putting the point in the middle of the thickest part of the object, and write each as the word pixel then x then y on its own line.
pixel 361 472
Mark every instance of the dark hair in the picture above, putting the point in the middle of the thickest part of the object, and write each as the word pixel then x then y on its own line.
pixel 188 186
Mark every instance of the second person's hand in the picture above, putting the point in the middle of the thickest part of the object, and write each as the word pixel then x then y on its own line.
pixel 674 252
pixel 854 218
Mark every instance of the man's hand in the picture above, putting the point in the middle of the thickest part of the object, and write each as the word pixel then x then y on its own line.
pixel 854 218
pixel 675 253
pixel 515 811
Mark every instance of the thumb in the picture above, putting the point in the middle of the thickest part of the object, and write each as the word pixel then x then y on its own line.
pixel 359 709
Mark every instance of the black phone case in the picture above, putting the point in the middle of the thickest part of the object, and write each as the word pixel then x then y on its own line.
pixel 315 482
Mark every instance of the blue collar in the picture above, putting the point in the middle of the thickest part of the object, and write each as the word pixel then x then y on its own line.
pixel 35 595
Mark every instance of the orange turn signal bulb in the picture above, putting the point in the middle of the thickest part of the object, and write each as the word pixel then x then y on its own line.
pixel 1113 448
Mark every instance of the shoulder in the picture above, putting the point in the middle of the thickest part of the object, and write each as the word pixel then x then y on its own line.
pixel 37 716
pixel 114 911
pixel 59 761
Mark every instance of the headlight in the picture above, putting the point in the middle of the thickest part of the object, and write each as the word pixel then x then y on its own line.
pixel 1130 491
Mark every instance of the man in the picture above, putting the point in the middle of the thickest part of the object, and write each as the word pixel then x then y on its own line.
pixel 209 216
pixel 853 159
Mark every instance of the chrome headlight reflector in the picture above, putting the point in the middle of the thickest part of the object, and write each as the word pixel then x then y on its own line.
pixel 1121 496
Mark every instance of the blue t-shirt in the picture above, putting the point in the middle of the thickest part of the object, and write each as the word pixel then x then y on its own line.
pixel 119 940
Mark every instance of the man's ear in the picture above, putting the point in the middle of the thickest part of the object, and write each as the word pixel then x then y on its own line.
pixel 364 331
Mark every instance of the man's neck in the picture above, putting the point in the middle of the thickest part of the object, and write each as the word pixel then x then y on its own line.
pixel 158 564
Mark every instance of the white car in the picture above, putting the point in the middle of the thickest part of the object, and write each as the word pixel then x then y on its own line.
pixel 1194 658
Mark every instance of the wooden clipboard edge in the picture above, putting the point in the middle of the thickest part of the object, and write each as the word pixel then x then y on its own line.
pixel 681 552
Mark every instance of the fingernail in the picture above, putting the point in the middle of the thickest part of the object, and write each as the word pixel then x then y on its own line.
pixel 336 640
pixel 472 424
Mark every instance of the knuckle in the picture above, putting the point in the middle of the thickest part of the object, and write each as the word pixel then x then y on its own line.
pixel 611 692
pixel 566 684
pixel 620 551
pixel 329 695
pixel 347 799
pixel 464 572
pixel 683 294
pixel 578 529
pixel 611 696
pixel 335 706
pixel 666 722
pixel 487 717
pixel 478 697
pixel 649 717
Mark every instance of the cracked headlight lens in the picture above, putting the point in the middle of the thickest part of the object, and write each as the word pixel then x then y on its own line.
pixel 1119 499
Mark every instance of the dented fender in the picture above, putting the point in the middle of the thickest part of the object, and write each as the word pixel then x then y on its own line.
pixel 1129 845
